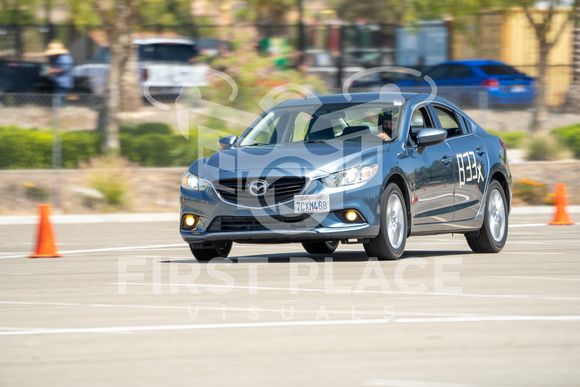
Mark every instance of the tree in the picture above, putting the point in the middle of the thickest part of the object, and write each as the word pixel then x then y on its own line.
pixel 573 100
pixel 547 34
pixel 118 19
pixel 16 13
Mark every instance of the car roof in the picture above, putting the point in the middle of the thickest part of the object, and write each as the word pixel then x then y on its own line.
pixel 357 98
pixel 473 62
pixel 161 40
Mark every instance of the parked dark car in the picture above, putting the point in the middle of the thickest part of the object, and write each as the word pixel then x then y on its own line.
pixel 315 171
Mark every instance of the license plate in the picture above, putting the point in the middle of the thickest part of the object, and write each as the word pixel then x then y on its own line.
pixel 311 203
pixel 518 89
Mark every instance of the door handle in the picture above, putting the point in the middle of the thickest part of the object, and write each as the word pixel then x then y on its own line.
pixel 446 159
pixel 480 150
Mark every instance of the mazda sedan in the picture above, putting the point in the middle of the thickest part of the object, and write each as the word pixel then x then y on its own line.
pixel 371 168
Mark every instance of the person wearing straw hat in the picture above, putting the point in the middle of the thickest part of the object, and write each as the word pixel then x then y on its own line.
pixel 60 65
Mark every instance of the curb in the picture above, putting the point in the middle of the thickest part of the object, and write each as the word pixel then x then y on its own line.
pixel 90 219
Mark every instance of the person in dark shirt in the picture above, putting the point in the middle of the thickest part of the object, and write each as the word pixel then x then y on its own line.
pixel 60 65
pixel 386 124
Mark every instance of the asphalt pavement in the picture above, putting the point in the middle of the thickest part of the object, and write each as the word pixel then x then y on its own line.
pixel 127 304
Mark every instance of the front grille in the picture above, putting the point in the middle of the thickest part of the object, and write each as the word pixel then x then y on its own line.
pixel 280 190
pixel 262 223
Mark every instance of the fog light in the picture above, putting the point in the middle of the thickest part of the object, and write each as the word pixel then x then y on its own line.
pixel 351 216
pixel 189 220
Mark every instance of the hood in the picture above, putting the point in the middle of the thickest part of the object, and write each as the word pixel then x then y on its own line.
pixel 298 159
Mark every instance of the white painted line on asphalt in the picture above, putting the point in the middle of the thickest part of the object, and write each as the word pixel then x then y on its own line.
pixel 14 220
pixel 413 383
pixel 525 253
pixel 536 278
pixel 419 240
pixel 105 250
pixel 530 243
pixel 222 308
pixel 352 291
pixel 269 324
pixel 538 225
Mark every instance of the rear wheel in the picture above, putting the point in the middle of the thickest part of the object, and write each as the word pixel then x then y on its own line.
pixel 324 247
pixel 492 235
pixel 205 254
pixel 390 243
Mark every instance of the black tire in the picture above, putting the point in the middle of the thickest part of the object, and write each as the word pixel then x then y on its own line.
pixel 322 247
pixel 205 255
pixel 390 243
pixel 492 235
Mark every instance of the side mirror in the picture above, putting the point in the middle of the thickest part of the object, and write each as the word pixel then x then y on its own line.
pixel 227 142
pixel 430 136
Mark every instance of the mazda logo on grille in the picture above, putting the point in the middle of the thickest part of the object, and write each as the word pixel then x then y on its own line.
pixel 258 187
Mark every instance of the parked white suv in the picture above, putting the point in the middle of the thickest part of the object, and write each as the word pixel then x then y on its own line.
pixel 166 64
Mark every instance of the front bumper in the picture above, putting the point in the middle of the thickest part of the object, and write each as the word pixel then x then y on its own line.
pixel 278 223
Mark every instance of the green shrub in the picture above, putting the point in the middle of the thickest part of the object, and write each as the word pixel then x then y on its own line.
pixel 25 148
pixel 149 149
pixel 145 144
pixel 544 146
pixel 30 148
pixel 511 139
pixel 570 135
pixel 79 146
pixel 146 128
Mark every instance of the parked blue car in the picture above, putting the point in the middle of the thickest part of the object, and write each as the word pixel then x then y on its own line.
pixel 463 81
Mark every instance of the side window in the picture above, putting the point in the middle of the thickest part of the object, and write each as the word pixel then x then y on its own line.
pixel 102 55
pixel 459 72
pixel 448 122
pixel 463 124
pixel 300 126
pixel 439 72
pixel 419 120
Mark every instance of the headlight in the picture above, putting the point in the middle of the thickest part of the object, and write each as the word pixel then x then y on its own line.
pixel 351 176
pixel 193 183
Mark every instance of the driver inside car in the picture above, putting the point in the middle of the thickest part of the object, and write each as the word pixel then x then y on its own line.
pixel 386 125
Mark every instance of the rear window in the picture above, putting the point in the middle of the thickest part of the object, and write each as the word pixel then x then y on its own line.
pixel 166 52
pixel 498 69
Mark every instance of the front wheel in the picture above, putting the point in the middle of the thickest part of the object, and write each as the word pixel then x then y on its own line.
pixel 390 243
pixel 324 247
pixel 492 235
pixel 205 255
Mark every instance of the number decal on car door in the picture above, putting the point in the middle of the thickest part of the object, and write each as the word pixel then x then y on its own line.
pixel 467 165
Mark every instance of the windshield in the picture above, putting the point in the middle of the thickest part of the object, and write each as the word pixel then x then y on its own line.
pixel 320 123
pixel 169 52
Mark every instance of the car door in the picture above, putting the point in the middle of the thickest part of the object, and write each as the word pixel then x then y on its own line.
pixel 432 177
pixel 470 161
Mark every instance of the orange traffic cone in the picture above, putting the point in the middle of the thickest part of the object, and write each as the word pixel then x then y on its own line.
pixel 561 202
pixel 45 246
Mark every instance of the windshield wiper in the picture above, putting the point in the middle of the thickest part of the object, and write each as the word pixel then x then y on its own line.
pixel 314 141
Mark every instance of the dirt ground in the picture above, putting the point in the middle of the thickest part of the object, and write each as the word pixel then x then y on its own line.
pixel 157 189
